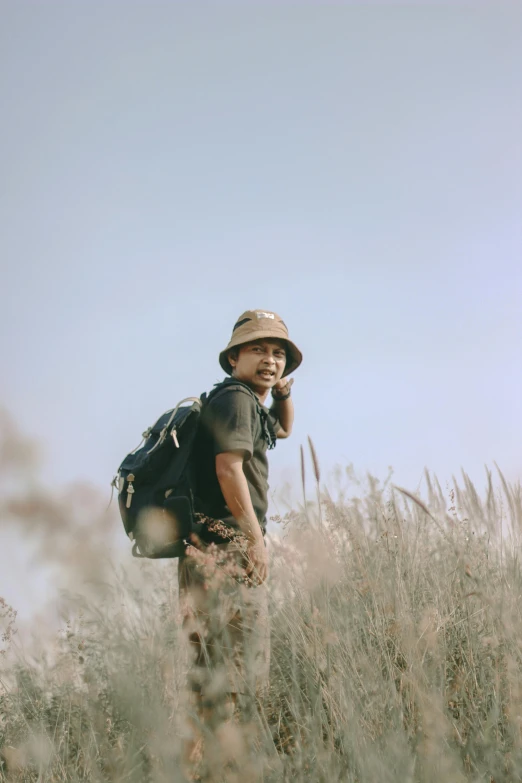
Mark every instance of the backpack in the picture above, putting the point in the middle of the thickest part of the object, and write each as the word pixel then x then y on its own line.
pixel 156 482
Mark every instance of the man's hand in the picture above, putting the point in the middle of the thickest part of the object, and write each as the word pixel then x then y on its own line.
pixel 257 567
pixel 283 385
pixel 283 409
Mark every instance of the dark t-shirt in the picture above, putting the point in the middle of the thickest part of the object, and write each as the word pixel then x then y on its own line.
pixel 233 420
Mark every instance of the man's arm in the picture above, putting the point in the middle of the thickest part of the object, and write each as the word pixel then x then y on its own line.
pixel 283 410
pixel 229 471
pixel 234 486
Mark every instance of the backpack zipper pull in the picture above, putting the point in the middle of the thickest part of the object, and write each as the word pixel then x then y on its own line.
pixel 130 490
pixel 175 438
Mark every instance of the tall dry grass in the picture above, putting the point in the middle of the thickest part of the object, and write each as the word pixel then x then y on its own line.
pixel 396 655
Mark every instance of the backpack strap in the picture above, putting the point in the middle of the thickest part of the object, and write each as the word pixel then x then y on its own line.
pixel 266 425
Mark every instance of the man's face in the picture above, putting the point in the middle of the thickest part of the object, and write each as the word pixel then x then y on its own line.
pixel 260 364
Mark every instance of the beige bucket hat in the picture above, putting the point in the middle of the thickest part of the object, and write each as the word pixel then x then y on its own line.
pixel 259 325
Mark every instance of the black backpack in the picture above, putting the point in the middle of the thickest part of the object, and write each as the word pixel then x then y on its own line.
pixel 156 482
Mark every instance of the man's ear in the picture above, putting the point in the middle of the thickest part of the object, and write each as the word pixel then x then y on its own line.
pixel 232 357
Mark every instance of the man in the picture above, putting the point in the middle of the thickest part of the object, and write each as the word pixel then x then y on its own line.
pixel 223 578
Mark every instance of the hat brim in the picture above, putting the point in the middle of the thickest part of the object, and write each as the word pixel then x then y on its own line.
pixel 294 357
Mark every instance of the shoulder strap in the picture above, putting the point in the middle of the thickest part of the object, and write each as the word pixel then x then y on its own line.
pixel 230 383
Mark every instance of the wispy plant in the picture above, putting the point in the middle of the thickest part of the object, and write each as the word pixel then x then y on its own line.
pixel 396 655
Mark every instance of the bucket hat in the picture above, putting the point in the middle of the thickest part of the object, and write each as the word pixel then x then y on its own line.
pixel 260 325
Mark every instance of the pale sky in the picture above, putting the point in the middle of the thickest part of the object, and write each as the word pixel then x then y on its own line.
pixel 164 167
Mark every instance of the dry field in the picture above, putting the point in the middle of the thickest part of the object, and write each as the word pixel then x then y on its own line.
pixel 396 647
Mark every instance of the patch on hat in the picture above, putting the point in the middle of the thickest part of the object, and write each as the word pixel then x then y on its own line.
pixel 261 314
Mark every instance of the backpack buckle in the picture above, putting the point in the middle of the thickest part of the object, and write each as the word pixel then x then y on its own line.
pixel 130 489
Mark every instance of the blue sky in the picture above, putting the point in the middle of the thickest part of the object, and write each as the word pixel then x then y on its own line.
pixel 357 169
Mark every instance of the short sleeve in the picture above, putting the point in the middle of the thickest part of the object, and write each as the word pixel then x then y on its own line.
pixel 231 422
